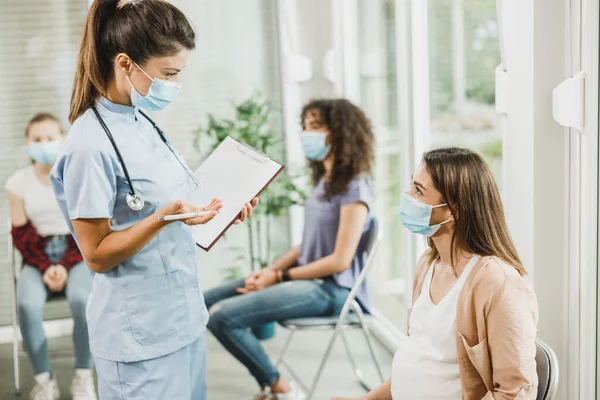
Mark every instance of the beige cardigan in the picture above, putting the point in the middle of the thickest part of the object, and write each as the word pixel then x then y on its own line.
pixel 496 320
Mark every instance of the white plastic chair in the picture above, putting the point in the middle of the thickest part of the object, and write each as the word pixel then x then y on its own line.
pixel 351 317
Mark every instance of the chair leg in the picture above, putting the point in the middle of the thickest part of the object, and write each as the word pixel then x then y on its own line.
pixel 357 371
pixel 323 362
pixel 281 362
pixel 284 348
pixel 365 329
pixel 298 380
pixel 16 363
pixel 15 327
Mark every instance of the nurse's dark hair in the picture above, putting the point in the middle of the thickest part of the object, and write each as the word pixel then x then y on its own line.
pixel 42 117
pixel 139 28
pixel 352 143
pixel 466 183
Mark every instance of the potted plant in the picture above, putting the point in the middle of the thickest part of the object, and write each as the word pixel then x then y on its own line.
pixel 251 124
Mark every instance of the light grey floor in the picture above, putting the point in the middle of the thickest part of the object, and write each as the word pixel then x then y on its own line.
pixel 227 379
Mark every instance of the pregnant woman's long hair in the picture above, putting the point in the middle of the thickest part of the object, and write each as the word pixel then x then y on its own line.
pixel 467 185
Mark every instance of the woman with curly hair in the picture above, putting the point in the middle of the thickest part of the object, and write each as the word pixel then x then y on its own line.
pixel 314 278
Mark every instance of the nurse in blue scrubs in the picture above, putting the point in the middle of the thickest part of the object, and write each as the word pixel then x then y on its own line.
pixel 116 175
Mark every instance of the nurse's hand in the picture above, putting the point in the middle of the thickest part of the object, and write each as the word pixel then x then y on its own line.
pixel 247 211
pixel 183 207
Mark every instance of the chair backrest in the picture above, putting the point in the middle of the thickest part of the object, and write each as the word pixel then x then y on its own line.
pixel 369 242
pixel 547 371
pixel 369 238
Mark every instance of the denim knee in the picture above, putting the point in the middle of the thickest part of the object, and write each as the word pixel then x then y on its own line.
pixel 29 309
pixel 78 304
pixel 218 319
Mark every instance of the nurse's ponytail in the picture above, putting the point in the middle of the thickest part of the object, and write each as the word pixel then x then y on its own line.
pixel 139 28
pixel 89 77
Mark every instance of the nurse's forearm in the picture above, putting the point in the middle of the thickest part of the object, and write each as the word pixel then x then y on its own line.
pixel 104 249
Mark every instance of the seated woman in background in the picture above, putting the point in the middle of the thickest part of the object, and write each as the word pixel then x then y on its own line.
pixel 472 327
pixel 338 141
pixel 52 262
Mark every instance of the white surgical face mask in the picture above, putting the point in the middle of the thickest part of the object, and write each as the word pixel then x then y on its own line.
pixel 160 93
pixel 314 145
pixel 415 216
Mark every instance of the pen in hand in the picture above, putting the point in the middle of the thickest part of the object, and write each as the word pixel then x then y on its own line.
pixel 178 217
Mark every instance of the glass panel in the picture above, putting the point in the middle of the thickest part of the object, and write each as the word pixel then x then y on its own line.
pixel 377 49
pixel 463 54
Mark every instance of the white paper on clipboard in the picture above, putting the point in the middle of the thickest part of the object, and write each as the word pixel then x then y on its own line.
pixel 234 173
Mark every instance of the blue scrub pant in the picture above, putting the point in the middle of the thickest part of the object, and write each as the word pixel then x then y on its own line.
pixel 177 376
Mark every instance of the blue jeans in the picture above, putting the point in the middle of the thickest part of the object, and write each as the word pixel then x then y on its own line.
pixel 32 295
pixel 231 314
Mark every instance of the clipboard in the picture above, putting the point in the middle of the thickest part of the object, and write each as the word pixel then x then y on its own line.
pixel 235 173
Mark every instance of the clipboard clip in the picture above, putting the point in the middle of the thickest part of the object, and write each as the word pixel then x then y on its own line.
pixel 255 154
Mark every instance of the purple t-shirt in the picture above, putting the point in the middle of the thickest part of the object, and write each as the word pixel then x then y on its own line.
pixel 321 221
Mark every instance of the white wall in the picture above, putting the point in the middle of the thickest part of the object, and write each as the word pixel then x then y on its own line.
pixel 535 160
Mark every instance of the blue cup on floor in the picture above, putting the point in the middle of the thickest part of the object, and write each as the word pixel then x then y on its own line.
pixel 264 331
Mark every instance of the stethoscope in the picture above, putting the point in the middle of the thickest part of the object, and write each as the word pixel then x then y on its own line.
pixel 135 200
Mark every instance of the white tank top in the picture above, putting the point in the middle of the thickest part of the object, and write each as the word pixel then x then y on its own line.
pixel 426 364
pixel 39 201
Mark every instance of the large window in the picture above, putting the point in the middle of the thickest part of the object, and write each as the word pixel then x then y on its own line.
pixel 463 54
pixel 449 54
pixel 378 97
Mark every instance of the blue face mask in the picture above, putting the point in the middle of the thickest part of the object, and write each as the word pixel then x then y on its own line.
pixel 415 216
pixel 160 93
pixel 314 145
pixel 44 152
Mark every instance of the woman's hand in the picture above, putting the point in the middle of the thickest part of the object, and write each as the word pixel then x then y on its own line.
pixel 182 207
pixel 259 280
pixel 247 211
pixel 55 278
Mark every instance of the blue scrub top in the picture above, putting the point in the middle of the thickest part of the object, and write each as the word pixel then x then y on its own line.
pixel 150 305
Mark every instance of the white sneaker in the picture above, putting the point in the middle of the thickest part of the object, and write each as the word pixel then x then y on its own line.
pixel 45 388
pixel 295 393
pixel 264 394
pixel 82 387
